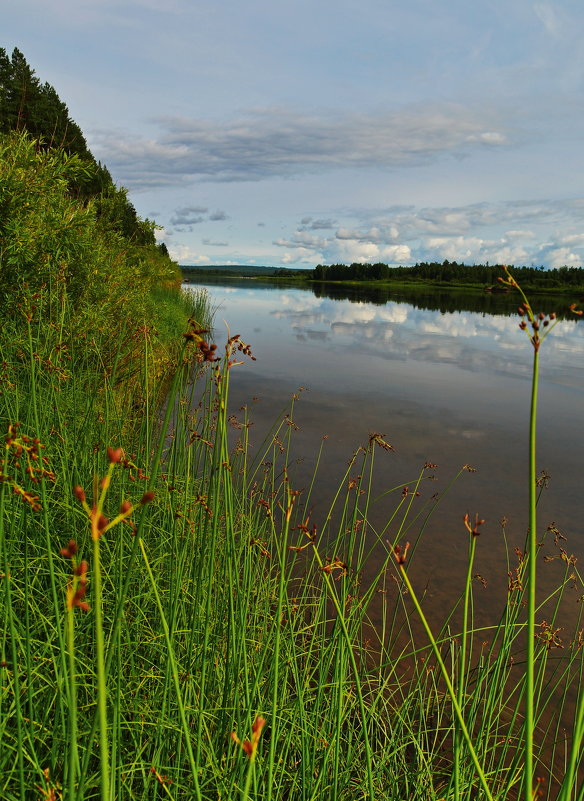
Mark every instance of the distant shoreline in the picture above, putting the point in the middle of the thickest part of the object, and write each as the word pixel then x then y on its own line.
pixel 306 277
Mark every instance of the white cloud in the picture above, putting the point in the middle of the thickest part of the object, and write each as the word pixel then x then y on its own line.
pixel 162 234
pixel 476 233
pixel 186 255
pixel 454 247
pixel 560 257
pixel 519 233
pixel 492 138
pixel 572 240
pixel 549 18
pixel 359 252
pixel 302 255
pixel 475 250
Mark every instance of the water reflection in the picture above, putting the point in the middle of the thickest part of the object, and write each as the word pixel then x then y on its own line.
pixel 479 342
pixel 433 299
pixel 446 385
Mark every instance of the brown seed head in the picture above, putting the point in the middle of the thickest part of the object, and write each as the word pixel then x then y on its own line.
pixel 79 493
pixel 70 550
pixel 114 455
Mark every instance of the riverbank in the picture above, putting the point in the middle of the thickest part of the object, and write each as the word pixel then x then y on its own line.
pixel 178 625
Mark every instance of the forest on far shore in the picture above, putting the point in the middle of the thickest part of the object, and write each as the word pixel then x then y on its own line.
pixel 446 273
pixel 452 272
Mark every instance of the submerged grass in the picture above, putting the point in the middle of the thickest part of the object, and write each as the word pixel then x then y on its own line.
pixel 175 624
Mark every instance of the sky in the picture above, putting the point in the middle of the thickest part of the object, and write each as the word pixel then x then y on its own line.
pixel 293 133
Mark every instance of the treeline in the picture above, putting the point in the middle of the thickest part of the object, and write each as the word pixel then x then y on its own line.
pixel 451 272
pixel 29 106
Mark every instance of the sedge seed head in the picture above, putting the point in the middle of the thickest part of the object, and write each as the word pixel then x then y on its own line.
pixel 114 455
pixel 79 493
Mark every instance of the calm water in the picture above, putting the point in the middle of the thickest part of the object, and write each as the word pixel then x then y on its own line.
pixel 450 387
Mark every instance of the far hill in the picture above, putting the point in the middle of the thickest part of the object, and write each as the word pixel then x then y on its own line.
pixel 234 270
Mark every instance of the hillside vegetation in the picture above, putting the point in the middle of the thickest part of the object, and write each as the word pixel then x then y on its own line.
pixel 74 255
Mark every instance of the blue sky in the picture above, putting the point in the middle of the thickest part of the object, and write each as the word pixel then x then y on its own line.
pixel 298 132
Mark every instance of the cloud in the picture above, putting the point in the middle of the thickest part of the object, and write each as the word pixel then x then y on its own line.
pixel 276 142
pixel 162 234
pixel 549 18
pixel 490 138
pixel 302 239
pixel 498 233
pixel 474 250
pixel 561 256
pixel 519 233
pixel 302 255
pixel 308 224
pixel 376 234
pixel 573 239
pixel 461 220
pixel 186 255
pixel 475 233
pixel 211 244
pixel 189 215
pixel 360 252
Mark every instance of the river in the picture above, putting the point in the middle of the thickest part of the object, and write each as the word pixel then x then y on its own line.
pixel 448 385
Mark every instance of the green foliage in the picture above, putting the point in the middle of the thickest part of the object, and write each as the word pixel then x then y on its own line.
pixel 451 272
pixel 118 215
pixel 47 237
pixel 59 253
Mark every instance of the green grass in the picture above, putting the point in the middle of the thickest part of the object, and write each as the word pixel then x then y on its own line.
pixel 178 626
